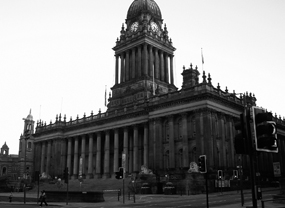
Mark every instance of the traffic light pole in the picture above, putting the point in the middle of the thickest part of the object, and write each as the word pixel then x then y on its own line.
pixel 207 192
pixel 252 158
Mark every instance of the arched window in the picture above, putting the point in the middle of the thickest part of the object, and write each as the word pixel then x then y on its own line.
pixel 166 159
pixel 193 154
pixel 167 131
pixel 4 171
pixel 180 158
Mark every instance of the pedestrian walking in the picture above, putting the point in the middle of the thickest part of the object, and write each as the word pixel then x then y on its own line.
pixel 43 198
pixel 10 197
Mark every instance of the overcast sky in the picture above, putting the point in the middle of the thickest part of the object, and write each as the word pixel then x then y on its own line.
pixel 56 55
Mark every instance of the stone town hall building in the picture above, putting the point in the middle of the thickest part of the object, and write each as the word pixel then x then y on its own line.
pixel 148 119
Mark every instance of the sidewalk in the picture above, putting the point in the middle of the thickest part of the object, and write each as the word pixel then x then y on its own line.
pixel 112 201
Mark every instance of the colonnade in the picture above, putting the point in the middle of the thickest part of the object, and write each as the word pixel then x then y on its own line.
pixel 144 60
pixel 97 154
pixel 159 144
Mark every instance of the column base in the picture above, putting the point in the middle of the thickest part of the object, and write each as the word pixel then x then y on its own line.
pixel 97 176
pixel 89 176
pixel 106 176
pixel 73 177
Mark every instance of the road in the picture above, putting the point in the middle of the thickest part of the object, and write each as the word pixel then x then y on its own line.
pixel 227 199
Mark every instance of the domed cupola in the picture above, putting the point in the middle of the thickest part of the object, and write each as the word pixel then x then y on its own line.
pixel 139 7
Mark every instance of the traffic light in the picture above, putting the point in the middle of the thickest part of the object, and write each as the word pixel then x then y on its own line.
pixel 65 175
pixel 235 174
pixel 220 174
pixel 120 173
pixel 264 130
pixel 241 141
pixel 203 164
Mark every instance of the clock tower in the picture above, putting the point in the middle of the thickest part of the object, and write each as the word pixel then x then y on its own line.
pixel 144 57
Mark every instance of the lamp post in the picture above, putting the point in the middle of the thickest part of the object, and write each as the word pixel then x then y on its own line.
pixel 26 137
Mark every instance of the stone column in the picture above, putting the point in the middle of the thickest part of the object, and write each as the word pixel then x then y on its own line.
pixel 139 62
pixel 98 156
pixel 151 68
pixel 133 68
pixel 156 67
pixel 75 160
pixel 145 58
pixel 131 153
pixel 126 148
pixel 185 141
pixel 63 155
pixel 145 145
pixel 162 74
pixel 83 147
pixel 122 68
pixel 117 70
pixel 223 142
pixel 166 68
pixel 171 70
pixel 158 122
pixel 116 150
pixel 171 142
pixel 107 155
pixel 90 157
pixel 69 144
pixel 43 157
pixel 48 157
pixel 136 150
pixel 127 65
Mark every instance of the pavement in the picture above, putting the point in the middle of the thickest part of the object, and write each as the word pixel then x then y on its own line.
pixel 112 201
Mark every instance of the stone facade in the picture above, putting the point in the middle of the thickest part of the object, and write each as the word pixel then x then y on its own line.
pixel 148 119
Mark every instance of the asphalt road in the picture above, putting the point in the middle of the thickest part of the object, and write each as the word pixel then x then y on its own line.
pixel 195 201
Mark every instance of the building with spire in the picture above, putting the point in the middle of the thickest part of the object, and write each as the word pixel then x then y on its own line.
pixel 149 122
pixel 13 166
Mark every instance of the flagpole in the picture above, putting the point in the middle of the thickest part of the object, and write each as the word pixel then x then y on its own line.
pixel 202 59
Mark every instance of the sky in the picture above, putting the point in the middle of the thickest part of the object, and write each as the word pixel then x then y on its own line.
pixel 56 55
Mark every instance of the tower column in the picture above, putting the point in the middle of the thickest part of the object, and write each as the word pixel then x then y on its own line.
pixel 122 67
pixel 48 157
pixel 166 68
pixel 127 66
pixel 151 68
pixel 145 58
pixel 171 70
pixel 98 156
pixel 75 160
pixel 107 155
pixel 145 145
pixel 185 141
pixel 116 150
pixel 83 147
pixel 139 62
pixel 136 150
pixel 156 67
pixel 117 69
pixel 126 147
pixel 162 74
pixel 90 157
pixel 171 142
pixel 133 68
pixel 43 157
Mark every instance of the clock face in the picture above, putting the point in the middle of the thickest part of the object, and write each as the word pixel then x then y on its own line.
pixel 134 27
pixel 154 26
